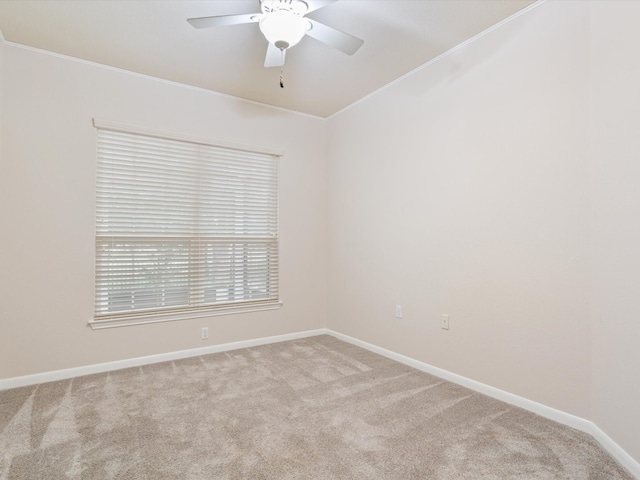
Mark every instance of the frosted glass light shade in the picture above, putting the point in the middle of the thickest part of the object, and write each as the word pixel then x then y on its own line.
pixel 283 28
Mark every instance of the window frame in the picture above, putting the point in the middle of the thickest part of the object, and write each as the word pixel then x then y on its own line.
pixel 162 314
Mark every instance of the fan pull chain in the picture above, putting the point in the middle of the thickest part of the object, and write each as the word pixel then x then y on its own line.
pixel 282 78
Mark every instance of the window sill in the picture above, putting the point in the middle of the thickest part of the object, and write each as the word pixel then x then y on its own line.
pixel 159 317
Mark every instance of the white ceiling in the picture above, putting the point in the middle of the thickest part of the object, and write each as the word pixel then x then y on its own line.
pixel 153 38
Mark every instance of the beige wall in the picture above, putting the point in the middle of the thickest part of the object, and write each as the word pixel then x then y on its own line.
pixel 616 221
pixel 2 47
pixel 463 190
pixel 47 204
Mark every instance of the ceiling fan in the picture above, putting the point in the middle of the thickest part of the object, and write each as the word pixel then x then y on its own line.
pixel 283 23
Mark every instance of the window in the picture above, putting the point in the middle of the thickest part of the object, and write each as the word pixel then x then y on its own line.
pixel 182 229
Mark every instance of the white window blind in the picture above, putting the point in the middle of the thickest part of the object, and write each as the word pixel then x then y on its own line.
pixel 182 227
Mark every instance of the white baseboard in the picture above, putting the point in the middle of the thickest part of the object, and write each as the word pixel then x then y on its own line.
pixel 138 361
pixel 615 450
pixel 543 410
pixel 538 408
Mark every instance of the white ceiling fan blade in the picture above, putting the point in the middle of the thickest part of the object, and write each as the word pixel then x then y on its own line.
pixel 223 20
pixel 316 4
pixel 275 57
pixel 335 38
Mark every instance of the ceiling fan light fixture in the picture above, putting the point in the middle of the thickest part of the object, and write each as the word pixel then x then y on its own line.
pixel 283 28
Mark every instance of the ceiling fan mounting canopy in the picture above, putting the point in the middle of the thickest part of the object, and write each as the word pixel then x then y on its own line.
pixel 283 23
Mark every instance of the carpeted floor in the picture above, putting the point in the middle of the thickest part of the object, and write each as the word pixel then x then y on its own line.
pixel 316 408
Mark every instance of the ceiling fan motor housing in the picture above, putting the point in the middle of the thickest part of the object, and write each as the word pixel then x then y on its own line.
pixel 295 6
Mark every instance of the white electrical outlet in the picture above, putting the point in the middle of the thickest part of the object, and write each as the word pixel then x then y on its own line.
pixel 205 333
pixel 444 321
pixel 398 311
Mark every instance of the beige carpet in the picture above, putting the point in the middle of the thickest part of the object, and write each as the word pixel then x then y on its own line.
pixel 316 408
